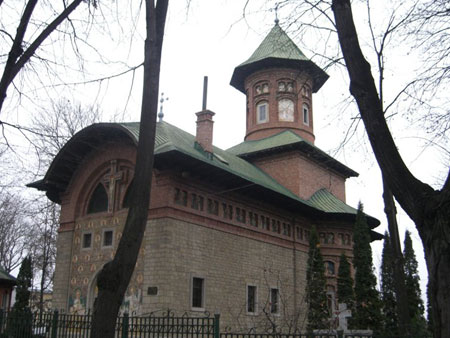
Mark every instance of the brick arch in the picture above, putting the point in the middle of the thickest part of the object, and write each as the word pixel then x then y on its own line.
pixel 90 172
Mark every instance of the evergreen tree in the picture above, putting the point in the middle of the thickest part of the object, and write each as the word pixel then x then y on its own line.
pixel 389 307
pixel 345 292
pixel 416 307
pixel 316 286
pixel 367 314
pixel 20 320
pixel 24 279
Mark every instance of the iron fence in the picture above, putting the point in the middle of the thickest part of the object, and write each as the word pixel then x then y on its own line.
pixel 57 325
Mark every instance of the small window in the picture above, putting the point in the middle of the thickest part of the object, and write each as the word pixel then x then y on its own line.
pixel 213 207
pixel 305 114
pixel 251 299
pixel 240 215
pixel 198 285
pixel 197 202
pixel 87 240
pixel 329 239
pixel 253 219
pixel 330 268
pixel 108 236
pixel 286 229
pixel 274 300
pixel 262 112
pixel 98 201
pixel 180 197
pixel 227 211
pixel 299 233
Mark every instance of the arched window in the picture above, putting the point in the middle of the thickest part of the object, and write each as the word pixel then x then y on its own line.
pixel 98 201
pixel 330 268
pixel 286 110
pixel 305 114
pixel 126 199
pixel 262 112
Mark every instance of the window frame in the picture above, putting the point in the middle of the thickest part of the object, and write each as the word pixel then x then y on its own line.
pixel 191 300
pixel 255 299
pixel 277 303
pixel 305 114
pixel 91 240
pixel 258 116
pixel 103 238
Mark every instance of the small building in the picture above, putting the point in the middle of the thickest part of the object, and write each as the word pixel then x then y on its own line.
pixel 7 283
pixel 227 230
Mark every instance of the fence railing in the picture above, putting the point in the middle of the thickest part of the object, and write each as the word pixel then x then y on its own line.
pixel 56 325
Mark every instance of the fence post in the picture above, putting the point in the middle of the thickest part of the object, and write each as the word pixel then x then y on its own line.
pixel 217 325
pixel 55 324
pixel 125 325
pixel 1 320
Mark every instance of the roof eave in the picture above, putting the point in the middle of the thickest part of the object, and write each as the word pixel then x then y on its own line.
pixel 242 71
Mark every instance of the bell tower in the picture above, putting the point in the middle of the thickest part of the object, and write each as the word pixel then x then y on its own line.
pixel 278 80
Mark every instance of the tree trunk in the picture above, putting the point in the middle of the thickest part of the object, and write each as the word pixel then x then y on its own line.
pixel 429 209
pixel 113 279
pixel 399 272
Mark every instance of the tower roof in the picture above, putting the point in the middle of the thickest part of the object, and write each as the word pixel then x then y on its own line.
pixel 277 50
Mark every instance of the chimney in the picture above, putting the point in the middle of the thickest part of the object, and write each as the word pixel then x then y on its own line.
pixel 205 123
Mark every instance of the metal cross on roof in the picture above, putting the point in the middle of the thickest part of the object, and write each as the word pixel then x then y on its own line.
pixel 161 101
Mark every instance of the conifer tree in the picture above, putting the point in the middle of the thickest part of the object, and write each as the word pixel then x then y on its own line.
pixel 345 292
pixel 20 320
pixel 367 300
pixel 389 306
pixel 24 279
pixel 415 303
pixel 316 286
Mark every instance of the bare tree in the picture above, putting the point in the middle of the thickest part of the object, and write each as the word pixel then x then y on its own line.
pixel 427 207
pixel 13 230
pixel 43 247
pixel 21 50
pixel 113 279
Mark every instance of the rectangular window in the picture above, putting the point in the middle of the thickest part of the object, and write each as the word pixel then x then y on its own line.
pixel 299 233
pixel 108 236
pixel 274 300
pixel 227 211
pixel 240 215
pixel 253 219
pixel 196 202
pixel 181 197
pixel 265 223
pixel 286 229
pixel 251 299
pixel 262 112
pixel 198 285
pixel 87 240
pixel 213 207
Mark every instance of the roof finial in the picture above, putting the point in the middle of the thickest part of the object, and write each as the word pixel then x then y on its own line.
pixel 161 114
pixel 276 13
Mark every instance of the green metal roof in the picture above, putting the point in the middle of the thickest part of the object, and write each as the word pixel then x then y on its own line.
pixel 6 277
pixel 289 140
pixel 174 143
pixel 277 50
pixel 170 138
pixel 326 201
pixel 277 44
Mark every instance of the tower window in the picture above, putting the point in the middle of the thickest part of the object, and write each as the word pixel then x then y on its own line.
pixel 305 114
pixel 262 112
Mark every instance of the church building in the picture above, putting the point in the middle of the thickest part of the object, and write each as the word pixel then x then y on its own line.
pixel 227 230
